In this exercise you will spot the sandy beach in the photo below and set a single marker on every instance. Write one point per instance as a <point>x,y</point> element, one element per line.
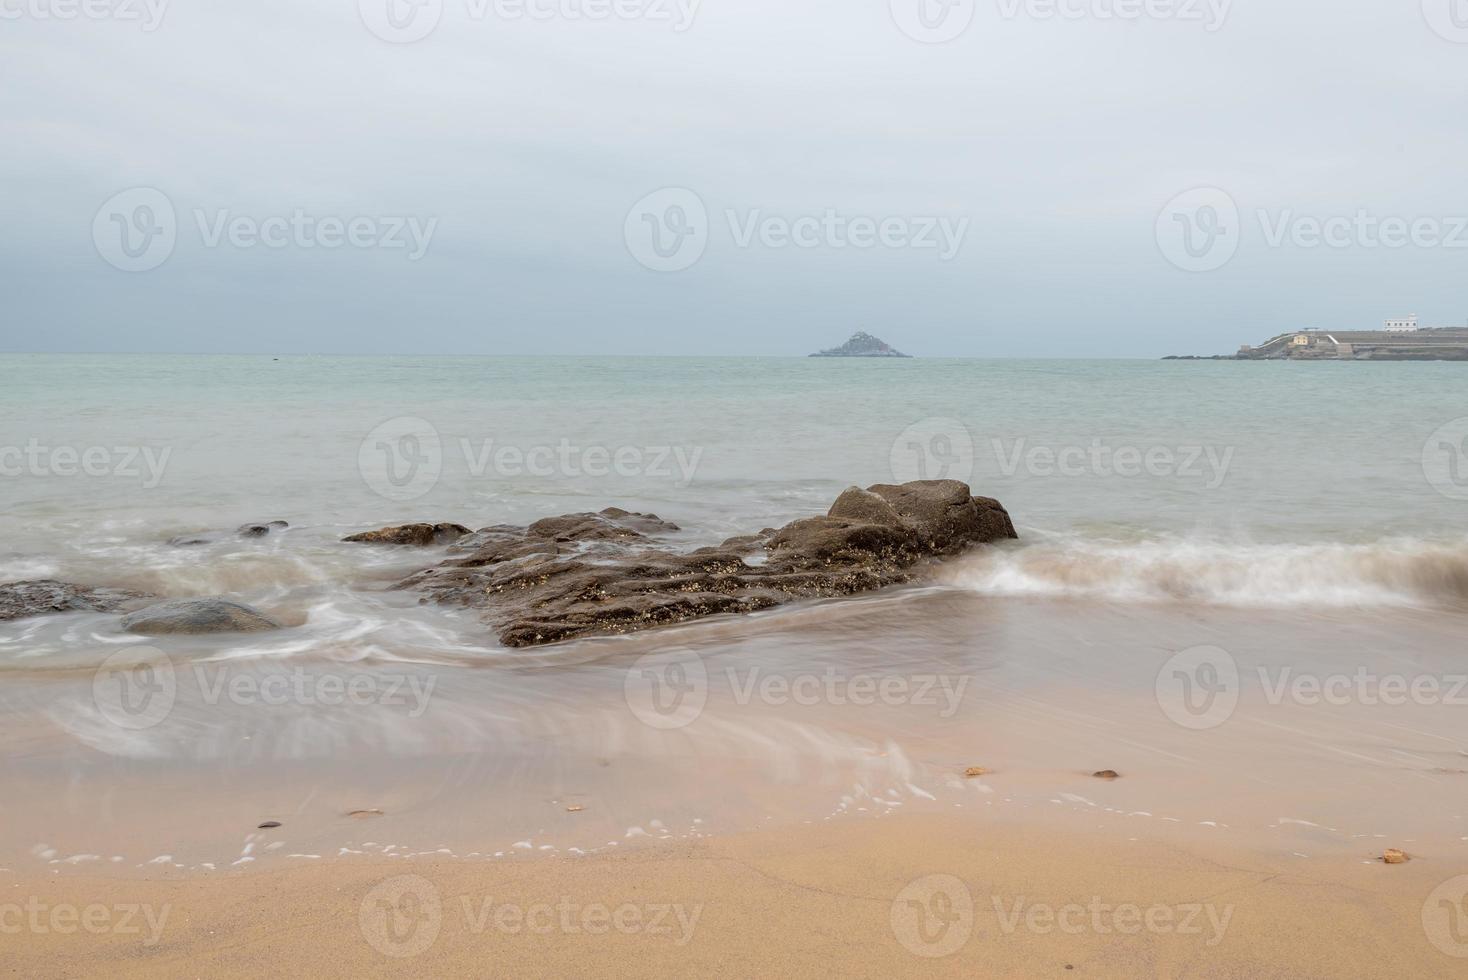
<point>943,895</point>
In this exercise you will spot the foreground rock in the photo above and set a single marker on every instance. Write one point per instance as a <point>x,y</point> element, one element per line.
<point>35,598</point>
<point>417,535</point>
<point>197,616</point>
<point>594,573</point>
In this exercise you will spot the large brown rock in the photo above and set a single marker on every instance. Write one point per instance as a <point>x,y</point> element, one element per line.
<point>584,574</point>
<point>34,598</point>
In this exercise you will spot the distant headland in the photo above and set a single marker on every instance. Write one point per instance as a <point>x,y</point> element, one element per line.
<point>862,344</point>
<point>1401,340</point>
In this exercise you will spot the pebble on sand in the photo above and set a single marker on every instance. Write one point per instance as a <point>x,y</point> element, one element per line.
<point>1394,856</point>
<point>1107,774</point>
<point>268,825</point>
<point>973,771</point>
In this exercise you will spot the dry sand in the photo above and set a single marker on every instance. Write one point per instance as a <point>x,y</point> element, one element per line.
<point>854,898</point>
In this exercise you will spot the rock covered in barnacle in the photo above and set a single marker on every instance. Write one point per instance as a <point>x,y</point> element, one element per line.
<point>416,535</point>
<point>34,598</point>
<point>583,574</point>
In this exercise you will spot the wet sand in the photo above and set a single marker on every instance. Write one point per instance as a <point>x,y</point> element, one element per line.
<point>945,895</point>
<point>791,825</point>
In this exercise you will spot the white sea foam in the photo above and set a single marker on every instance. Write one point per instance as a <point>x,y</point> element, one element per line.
<point>1394,572</point>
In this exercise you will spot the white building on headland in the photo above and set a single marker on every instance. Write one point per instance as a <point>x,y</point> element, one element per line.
<point>1409,325</point>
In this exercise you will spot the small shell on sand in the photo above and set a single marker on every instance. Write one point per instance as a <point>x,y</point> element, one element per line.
<point>575,808</point>
<point>1107,774</point>
<point>364,814</point>
<point>973,771</point>
<point>1394,856</point>
<point>268,825</point>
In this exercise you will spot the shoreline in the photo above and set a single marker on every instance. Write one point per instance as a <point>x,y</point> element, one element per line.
<point>950,894</point>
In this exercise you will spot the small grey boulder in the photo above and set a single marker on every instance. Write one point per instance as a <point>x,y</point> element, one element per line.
<point>197,616</point>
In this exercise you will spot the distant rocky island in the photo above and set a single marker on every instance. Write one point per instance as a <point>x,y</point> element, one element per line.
<point>863,344</point>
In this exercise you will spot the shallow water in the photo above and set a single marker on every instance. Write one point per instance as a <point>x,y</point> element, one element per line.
<point>1301,516</point>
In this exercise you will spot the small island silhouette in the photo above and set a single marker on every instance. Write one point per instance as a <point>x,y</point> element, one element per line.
<point>862,344</point>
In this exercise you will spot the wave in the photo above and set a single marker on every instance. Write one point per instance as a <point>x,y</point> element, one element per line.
<point>1393,572</point>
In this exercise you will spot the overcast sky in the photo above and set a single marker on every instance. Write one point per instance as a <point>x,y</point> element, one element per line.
<point>1027,187</point>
